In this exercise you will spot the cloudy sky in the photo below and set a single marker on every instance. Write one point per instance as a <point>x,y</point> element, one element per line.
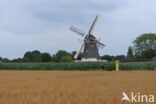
<point>27,25</point>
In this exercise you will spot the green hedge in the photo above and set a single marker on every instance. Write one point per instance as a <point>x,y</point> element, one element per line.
<point>78,66</point>
<point>138,66</point>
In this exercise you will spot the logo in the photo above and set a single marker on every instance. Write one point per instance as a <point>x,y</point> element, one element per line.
<point>140,98</point>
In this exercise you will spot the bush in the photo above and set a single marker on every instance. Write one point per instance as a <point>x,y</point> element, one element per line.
<point>60,54</point>
<point>66,59</point>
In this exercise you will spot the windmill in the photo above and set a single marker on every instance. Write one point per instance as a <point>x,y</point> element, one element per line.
<point>90,44</point>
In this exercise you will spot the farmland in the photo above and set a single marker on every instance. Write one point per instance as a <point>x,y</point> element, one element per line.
<point>73,87</point>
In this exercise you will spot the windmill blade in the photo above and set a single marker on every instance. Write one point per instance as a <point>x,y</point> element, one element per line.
<point>74,29</point>
<point>79,51</point>
<point>100,43</point>
<point>93,25</point>
<point>99,39</point>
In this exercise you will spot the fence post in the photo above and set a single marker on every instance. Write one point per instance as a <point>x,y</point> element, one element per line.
<point>117,65</point>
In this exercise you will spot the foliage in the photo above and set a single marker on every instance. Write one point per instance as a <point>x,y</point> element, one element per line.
<point>113,58</point>
<point>17,60</point>
<point>66,59</point>
<point>120,57</point>
<point>5,60</point>
<point>149,53</point>
<point>145,45</point>
<point>78,66</point>
<point>27,57</point>
<point>53,58</point>
<point>45,57</point>
<point>36,56</point>
<point>107,57</point>
<point>130,52</point>
<point>60,54</point>
<point>0,58</point>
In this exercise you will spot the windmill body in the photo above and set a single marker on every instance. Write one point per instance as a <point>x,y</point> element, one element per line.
<point>90,51</point>
<point>90,44</point>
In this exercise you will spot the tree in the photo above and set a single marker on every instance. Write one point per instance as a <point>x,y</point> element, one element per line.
<point>27,57</point>
<point>36,56</point>
<point>130,52</point>
<point>17,60</point>
<point>53,58</point>
<point>107,57</point>
<point>66,59</point>
<point>0,58</point>
<point>145,45</point>
<point>45,57</point>
<point>5,60</point>
<point>149,53</point>
<point>60,54</point>
<point>120,57</point>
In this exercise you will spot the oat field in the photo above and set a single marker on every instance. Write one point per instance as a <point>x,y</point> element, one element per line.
<point>73,87</point>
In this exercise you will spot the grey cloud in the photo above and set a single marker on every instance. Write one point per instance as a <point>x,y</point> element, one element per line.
<point>43,24</point>
<point>37,16</point>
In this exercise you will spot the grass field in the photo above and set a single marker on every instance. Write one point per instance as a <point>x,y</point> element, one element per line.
<point>73,87</point>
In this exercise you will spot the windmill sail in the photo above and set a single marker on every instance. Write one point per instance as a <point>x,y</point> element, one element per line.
<point>93,25</point>
<point>79,51</point>
<point>74,29</point>
<point>98,42</point>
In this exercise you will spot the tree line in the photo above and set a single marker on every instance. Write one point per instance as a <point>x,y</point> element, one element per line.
<point>144,46</point>
<point>37,56</point>
<point>60,56</point>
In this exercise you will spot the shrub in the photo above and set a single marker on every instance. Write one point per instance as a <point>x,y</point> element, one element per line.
<point>66,59</point>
